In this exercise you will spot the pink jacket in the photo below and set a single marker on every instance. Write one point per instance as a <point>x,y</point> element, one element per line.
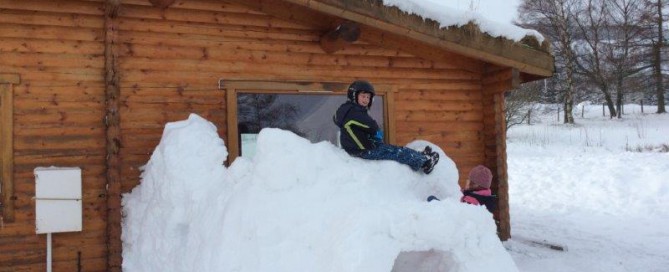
<point>471,200</point>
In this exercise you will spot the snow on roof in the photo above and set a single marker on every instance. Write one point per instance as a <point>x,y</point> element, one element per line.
<point>447,16</point>
<point>298,206</point>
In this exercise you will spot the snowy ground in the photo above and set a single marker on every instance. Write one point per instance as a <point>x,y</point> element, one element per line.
<point>598,188</point>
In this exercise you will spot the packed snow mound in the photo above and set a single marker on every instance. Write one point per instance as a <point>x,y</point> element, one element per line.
<point>298,206</point>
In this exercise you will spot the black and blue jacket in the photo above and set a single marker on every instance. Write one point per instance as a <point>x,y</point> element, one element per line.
<point>356,126</point>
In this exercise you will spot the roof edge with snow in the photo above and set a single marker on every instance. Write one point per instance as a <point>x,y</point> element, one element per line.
<point>529,55</point>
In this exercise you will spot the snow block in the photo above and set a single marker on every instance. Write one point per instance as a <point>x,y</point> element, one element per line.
<point>298,206</point>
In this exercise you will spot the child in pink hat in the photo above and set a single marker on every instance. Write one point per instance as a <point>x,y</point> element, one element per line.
<point>477,189</point>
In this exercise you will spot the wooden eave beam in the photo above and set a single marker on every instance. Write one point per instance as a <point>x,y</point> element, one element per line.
<point>501,80</point>
<point>493,50</point>
<point>525,77</point>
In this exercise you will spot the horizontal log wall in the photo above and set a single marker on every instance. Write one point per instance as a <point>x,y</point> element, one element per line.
<point>56,48</point>
<point>172,59</point>
<point>170,62</point>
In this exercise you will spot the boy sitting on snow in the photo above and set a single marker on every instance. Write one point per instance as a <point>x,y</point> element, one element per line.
<point>361,137</point>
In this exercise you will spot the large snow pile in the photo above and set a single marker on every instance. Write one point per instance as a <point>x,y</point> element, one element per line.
<point>298,206</point>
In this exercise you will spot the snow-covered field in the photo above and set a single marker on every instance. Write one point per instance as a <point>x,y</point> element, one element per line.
<point>598,188</point>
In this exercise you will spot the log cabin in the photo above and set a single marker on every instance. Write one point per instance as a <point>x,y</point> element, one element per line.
<point>91,84</point>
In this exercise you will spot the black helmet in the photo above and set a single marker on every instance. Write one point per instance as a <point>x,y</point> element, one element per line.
<point>359,86</point>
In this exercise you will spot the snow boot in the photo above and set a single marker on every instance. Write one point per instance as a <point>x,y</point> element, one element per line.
<point>427,151</point>
<point>433,159</point>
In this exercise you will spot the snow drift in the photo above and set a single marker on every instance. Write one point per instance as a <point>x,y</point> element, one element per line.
<point>298,206</point>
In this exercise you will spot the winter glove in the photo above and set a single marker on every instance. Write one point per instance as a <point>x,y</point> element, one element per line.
<point>379,136</point>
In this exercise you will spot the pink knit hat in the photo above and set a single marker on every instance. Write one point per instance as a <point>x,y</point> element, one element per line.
<point>481,176</point>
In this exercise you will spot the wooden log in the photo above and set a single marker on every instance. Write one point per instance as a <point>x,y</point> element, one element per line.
<point>65,142</point>
<point>40,61</point>
<point>262,62</point>
<point>134,100</point>
<point>215,33</point>
<point>171,95</point>
<point>438,116</point>
<point>50,76</point>
<point>55,118</point>
<point>431,85</point>
<point>462,92</point>
<point>427,127</point>
<point>163,4</point>
<point>55,105</point>
<point>129,40</point>
<point>50,32</point>
<point>185,71</point>
<point>78,7</point>
<point>50,19</point>
<point>203,18</point>
<point>439,105</point>
<point>288,12</point>
<point>58,98</point>
<point>196,5</point>
<point>29,44</point>
<point>453,140</point>
<point>234,53</point>
<point>93,131</point>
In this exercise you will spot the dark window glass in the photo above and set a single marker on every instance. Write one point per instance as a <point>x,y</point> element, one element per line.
<point>307,115</point>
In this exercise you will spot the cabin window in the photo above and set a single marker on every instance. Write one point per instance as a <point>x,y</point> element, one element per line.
<point>307,115</point>
<point>306,109</point>
<point>6,145</point>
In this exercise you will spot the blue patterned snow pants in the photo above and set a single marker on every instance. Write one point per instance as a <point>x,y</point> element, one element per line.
<point>403,155</point>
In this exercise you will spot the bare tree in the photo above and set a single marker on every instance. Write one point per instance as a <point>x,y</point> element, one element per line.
<point>521,102</point>
<point>658,44</point>
<point>590,58</point>
<point>257,111</point>
<point>555,18</point>
<point>609,47</point>
<point>625,52</point>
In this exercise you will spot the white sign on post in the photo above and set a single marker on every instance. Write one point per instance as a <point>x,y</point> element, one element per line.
<point>58,199</point>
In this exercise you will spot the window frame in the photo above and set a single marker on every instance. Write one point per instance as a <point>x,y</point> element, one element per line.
<point>234,87</point>
<point>7,82</point>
